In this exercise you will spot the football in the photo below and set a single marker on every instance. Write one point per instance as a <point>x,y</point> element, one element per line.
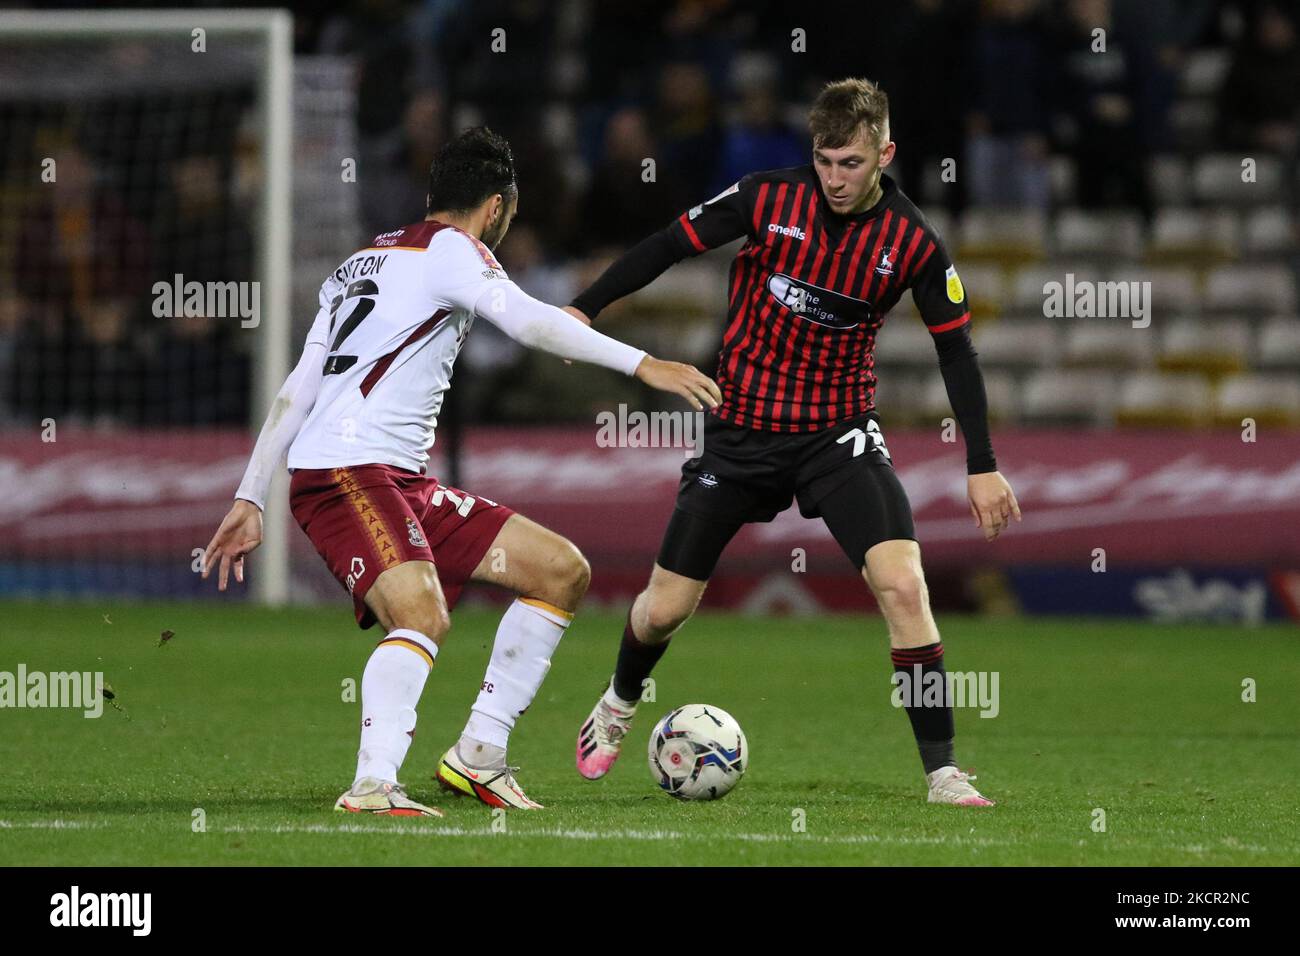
<point>698,752</point>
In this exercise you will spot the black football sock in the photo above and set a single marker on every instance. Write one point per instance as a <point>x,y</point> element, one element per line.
<point>927,702</point>
<point>635,662</point>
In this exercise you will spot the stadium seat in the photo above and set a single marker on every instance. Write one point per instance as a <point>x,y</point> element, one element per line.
<point>688,290</point>
<point>1218,178</point>
<point>1098,235</point>
<point>1068,397</point>
<point>1026,296</point>
<point>1192,122</point>
<point>1279,344</point>
<point>1004,235</point>
<point>1017,343</point>
<point>1170,179</point>
<point>986,287</point>
<point>1250,288</point>
<point>900,396</point>
<point>906,343</point>
<point>1204,71</point>
<point>1268,399</point>
<point>1156,399</point>
<point>998,386</point>
<point>1112,343</point>
<point>1064,176</point>
<point>1194,236</point>
<point>1174,290</point>
<point>1270,232</point>
<point>1211,348</point>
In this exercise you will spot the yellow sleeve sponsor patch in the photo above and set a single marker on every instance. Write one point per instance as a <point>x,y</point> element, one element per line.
<point>955,291</point>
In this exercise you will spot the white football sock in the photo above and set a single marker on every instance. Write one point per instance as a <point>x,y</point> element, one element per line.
<point>521,655</point>
<point>390,688</point>
<point>618,703</point>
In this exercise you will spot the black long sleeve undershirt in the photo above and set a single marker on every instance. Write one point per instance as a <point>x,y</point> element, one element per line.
<point>965,385</point>
<point>635,269</point>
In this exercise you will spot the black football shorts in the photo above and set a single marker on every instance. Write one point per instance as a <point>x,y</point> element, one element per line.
<point>841,474</point>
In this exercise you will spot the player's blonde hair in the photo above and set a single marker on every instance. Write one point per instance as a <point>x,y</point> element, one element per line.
<point>845,106</point>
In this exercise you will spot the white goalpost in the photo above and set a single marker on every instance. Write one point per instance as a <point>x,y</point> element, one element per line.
<point>262,41</point>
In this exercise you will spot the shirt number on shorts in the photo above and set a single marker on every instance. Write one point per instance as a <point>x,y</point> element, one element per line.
<point>860,437</point>
<point>462,504</point>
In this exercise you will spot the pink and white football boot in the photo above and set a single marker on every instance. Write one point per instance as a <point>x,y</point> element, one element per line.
<point>950,785</point>
<point>601,737</point>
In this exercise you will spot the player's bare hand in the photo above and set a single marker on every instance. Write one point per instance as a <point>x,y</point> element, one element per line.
<point>680,379</point>
<point>581,317</point>
<point>992,502</point>
<point>240,533</point>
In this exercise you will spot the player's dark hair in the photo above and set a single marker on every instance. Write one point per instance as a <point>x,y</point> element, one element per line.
<point>844,107</point>
<point>470,168</point>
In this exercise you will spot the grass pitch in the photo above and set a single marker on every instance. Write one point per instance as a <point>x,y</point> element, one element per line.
<point>241,715</point>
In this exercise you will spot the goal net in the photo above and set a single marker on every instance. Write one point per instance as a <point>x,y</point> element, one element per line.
<point>144,290</point>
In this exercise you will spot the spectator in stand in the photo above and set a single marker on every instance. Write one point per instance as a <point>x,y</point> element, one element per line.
<point>689,130</point>
<point>1100,96</point>
<point>194,366</point>
<point>759,139</point>
<point>395,184</point>
<point>621,206</point>
<point>1012,74</point>
<point>1169,28</point>
<point>927,105</point>
<point>1259,107</point>
<point>197,376</point>
<point>84,264</point>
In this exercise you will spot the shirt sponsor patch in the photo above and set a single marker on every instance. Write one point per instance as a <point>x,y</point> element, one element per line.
<point>955,291</point>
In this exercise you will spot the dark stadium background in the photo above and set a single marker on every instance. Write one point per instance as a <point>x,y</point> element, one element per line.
<point>1125,164</point>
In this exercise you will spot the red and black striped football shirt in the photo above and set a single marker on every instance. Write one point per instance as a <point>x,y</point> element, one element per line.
<point>808,292</point>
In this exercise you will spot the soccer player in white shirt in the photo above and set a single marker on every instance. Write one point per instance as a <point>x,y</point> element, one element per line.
<point>356,418</point>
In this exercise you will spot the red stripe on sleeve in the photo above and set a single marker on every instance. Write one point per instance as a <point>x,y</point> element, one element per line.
<point>954,324</point>
<point>690,233</point>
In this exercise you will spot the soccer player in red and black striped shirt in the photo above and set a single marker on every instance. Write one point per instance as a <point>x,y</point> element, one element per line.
<point>831,247</point>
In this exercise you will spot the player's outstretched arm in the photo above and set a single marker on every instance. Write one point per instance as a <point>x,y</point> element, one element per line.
<point>241,530</point>
<point>541,326</point>
<point>711,224</point>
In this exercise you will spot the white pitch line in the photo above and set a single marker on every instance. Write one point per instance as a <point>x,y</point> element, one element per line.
<point>556,833</point>
<point>51,825</point>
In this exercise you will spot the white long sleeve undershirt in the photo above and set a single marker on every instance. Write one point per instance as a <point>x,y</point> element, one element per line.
<point>288,412</point>
<point>538,325</point>
<point>526,320</point>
